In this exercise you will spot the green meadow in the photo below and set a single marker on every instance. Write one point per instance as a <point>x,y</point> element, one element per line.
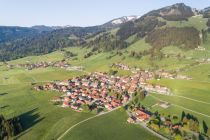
<point>191,96</point>
<point>112,126</point>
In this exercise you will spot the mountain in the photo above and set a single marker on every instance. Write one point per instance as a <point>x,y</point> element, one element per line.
<point>46,42</point>
<point>206,12</point>
<point>207,9</point>
<point>176,12</point>
<point>43,28</point>
<point>118,21</point>
<point>152,27</point>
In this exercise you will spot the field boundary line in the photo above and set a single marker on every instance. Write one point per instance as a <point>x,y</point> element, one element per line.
<point>191,99</point>
<point>196,112</point>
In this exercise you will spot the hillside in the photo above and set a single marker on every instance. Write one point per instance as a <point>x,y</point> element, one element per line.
<point>188,37</point>
<point>39,40</point>
<point>45,42</point>
<point>114,35</point>
<point>176,12</point>
<point>8,34</point>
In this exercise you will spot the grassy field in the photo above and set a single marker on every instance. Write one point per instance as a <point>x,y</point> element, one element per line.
<point>41,119</point>
<point>112,126</point>
<point>18,76</point>
<point>189,96</point>
<point>197,22</point>
<point>55,56</point>
<point>199,72</point>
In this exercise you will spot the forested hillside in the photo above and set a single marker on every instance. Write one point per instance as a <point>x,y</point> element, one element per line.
<point>188,37</point>
<point>13,33</point>
<point>140,27</point>
<point>45,42</point>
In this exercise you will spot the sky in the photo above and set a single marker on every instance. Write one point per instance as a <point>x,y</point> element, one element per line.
<point>79,12</point>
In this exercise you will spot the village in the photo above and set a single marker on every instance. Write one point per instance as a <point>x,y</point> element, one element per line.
<point>157,74</point>
<point>100,91</point>
<point>43,64</point>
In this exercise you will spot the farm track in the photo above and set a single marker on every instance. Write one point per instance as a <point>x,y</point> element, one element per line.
<point>68,130</point>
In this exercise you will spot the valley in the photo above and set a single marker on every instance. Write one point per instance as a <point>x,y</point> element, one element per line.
<point>133,77</point>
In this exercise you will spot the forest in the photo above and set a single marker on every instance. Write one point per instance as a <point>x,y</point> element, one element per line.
<point>185,37</point>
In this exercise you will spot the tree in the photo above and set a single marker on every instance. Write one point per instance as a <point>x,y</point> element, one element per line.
<point>142,94</point>
<point>205,127</point>
<point>69,54</point>
<point>113,72</point>
<point>204,35</point>
<point>208,22</point>
<point>183,115</point>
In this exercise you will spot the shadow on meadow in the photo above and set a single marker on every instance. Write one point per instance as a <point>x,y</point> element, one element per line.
<point>29,119</point>
<point>3,107</point>
<point>2,94</point>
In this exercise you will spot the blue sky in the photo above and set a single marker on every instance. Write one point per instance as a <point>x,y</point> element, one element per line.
<point>79,12</point>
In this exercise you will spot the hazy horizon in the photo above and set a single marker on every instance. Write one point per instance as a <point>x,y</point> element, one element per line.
<point>27,13</point>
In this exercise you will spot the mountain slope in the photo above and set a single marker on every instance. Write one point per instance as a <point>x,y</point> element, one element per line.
<point>206,12</point>
<point>46,39</point>
<point>43,28</point>
<point>176,12</point>
<point>45,42</point>
<point>12,33</point>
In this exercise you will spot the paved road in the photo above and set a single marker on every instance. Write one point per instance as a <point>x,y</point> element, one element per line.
<point>150,130</point>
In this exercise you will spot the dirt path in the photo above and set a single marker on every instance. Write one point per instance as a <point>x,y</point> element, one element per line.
<point>68,130</point>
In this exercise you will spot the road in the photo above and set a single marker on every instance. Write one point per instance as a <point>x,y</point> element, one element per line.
<point>150,130</point>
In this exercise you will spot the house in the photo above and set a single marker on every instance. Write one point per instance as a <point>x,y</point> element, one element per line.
<point>38,88</point>
<point>131,120</point>
<point>142,116</point>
